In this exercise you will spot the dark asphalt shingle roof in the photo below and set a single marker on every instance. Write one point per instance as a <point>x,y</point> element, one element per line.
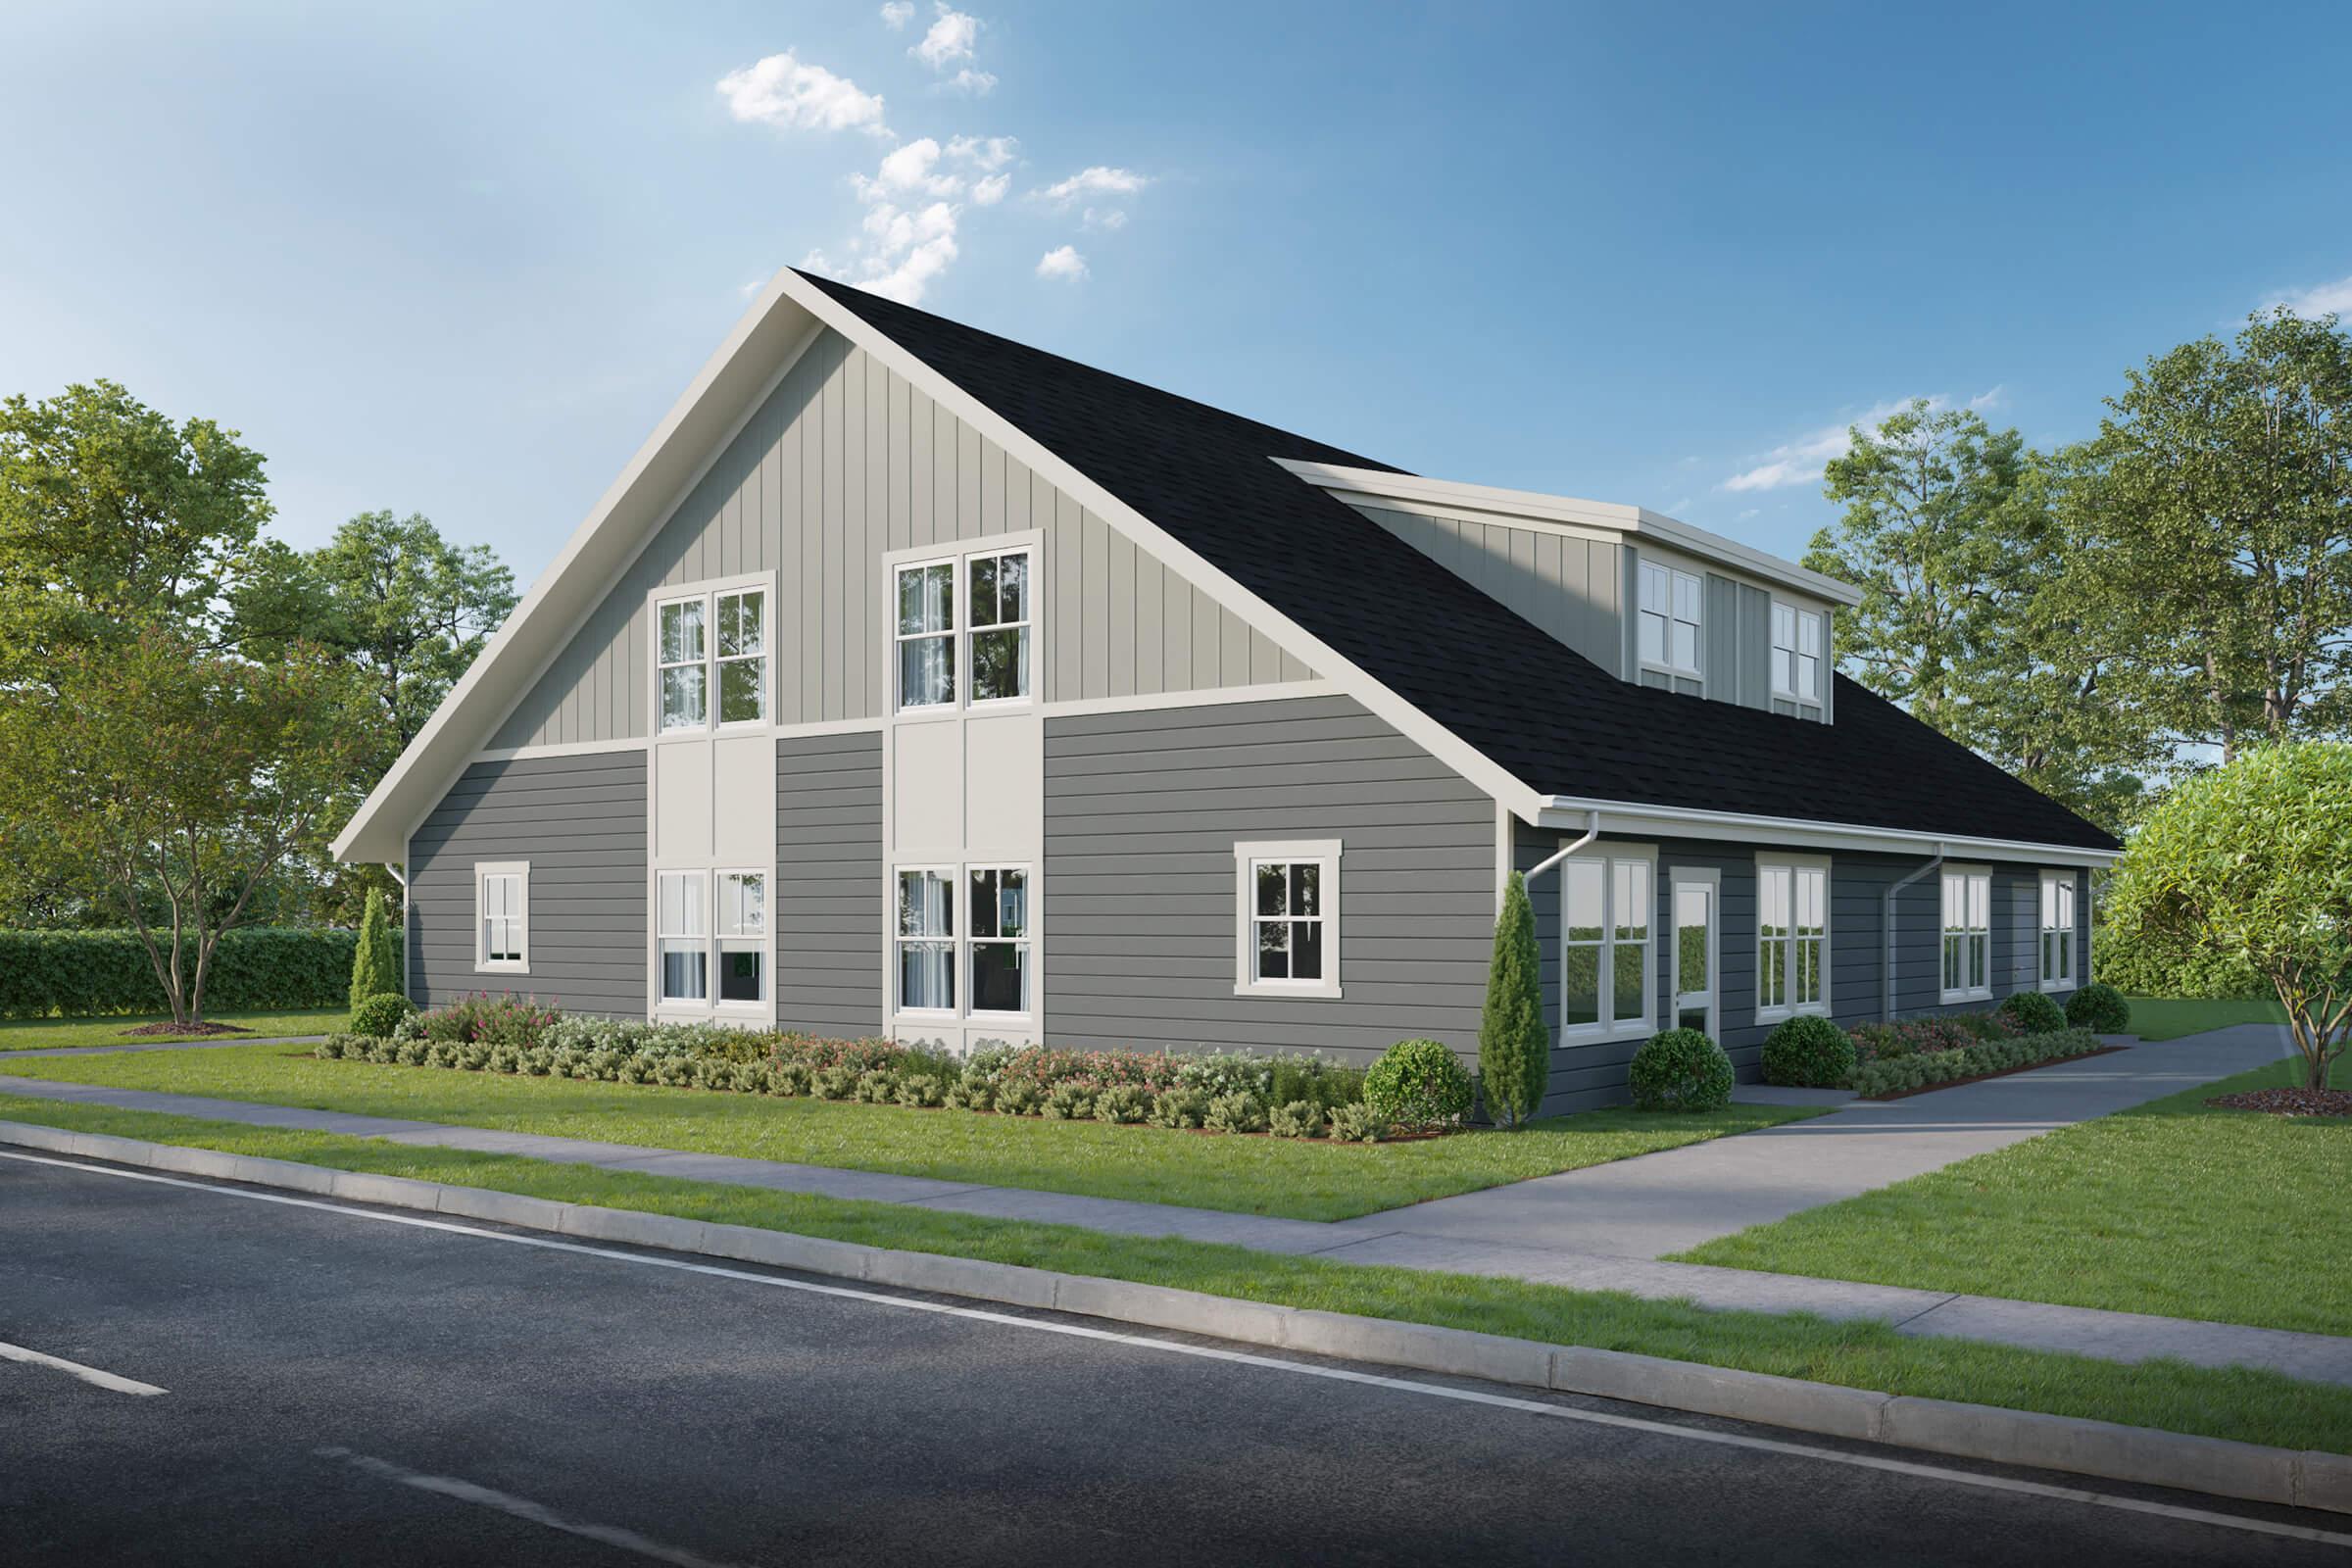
<point>1553,719</point>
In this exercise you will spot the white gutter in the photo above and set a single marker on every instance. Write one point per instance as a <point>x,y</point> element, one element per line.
<point>1814,829</point>
<point>1886,924</point>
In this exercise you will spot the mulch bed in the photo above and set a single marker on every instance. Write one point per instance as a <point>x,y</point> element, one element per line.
<point>201,1030</point>
<point>2005,1072</point>
<point>2289,1101</point>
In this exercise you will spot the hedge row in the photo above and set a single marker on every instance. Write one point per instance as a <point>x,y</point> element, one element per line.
<point>1894,1075</point>
<point>256,969</point>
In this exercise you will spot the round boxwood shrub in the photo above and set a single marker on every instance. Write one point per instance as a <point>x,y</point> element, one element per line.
<point>1680,1069</point>
<point>1808,1052</point>
<point>1419,1083</point>
<point>2032,1013</point>
<point>378,1015</point>
<point>2101,1009</point>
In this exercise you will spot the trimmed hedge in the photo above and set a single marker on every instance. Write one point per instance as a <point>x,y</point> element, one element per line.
<point>255,969</point>
<point>1894,1075</point>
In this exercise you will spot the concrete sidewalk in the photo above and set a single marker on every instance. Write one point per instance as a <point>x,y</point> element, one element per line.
<point>1407,1239</point>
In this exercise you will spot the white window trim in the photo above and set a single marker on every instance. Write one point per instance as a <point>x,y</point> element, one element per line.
<point>765,938</point>
<point>1607,1027</point>
<point>1248,856</point>
<point>708,1001</point>
<point>709,592</point>
<point>1710,878</point>
<point>1966,992</point>
<point>2042,930</point>
<point>1667,666</point>
<point>1797,645</point>
<point>898,941</point>
<point>959,633</point>
<point>1026,941</point>
<point>1803,862</point>
<point>520,870</point>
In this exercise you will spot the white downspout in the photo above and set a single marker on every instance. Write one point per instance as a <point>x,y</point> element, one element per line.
<point>1592,832</point>
<point>1886,924</point>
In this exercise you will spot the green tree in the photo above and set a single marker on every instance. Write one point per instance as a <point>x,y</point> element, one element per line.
<point>1514,1045</point>
<point>2210,522</point>
<point>2251,864</point>
<point>180,777</point>
<point>1950,533</point>
<point>374,970</point>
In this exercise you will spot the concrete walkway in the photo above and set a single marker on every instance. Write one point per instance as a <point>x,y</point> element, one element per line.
<point>1407,1238</point>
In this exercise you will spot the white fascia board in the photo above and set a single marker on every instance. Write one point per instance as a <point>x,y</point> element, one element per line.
<point>719,400</point>
<point>1529,506</point>
<point>1632,816</point>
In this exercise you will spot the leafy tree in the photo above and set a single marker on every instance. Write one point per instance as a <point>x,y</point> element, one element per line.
<point>2252,863</point>
<point>1514,1045</point>
<point>181,777</point>
<point>2211,520</point>
<point>374,967</point>
<point>1949,532</point>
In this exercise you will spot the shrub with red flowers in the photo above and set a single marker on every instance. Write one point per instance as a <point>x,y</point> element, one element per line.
<point>488,1020</point>
<point>1925,1037</point>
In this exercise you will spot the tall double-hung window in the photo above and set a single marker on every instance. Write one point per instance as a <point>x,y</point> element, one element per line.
<point>1967,935</point>
<point>502,909</point>
<point>965,630</point>
<point>971,959</point>
<point>710,938</point>
<point>1796,649</point>
<point>1607,908</point>
<point>1793,938</point>
<point>2057,930</point>
<point>710,658</point>
<point>1670,617</point>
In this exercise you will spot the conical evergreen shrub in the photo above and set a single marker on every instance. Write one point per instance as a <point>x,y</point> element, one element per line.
<point>1514,1047</point>
<point>374,968</point>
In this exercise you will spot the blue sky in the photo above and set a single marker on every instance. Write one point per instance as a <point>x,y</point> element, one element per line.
<point>459,260</point>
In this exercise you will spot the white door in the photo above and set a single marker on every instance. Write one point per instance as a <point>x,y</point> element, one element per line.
<point>1694,901</point>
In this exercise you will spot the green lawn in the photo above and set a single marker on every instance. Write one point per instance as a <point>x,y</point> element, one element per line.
<point>2250,1405</point>
<point>2173,1207</point>
<point>1297,1180</point>
<point>2155,1018</point>
<point>34,1034</point>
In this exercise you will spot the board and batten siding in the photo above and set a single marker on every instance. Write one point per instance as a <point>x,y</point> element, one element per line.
<point>828,906</point>
<point>1139,919</point>
<point>579,821</point>
<point>844,462</point>
<point>1568,586</point>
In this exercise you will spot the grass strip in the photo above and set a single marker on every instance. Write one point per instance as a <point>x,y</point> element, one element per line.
<point>2169,1018</point>
<point>43,1034</point>
<point>2174,1208</point>
<point>2242,1403</point>
<point>1293,1178</point>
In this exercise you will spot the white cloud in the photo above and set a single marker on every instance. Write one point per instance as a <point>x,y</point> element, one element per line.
<point>751,290</point>
<point>785,91</point>
<point>2320,298</point>
<point>1802,461</point>
<point>991,153</point>
<point>1104,218</point>
<point>969,83</point>
<point>990,191</point>
<point>1063,263</point>
<point>910,168</point>
<point>890,230</point>
<point>1094,181</point>
<point>1743,515</point>
<point>914,272</point>
<point>1988,401</point>
<point>949,40</point>
<point>897,14</point>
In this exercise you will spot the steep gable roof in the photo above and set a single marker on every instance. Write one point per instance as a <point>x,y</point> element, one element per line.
<point>1552,718</point>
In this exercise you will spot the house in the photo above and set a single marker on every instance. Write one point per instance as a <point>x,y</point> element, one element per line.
<point>911,680</point>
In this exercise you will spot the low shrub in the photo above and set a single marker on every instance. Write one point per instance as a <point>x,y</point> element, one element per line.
<point>1358,1124</point>
<point>2101,1009</point>
<point>1314,1080</point>
<point>877,1086</point>
<point>381,1014</point>
<point>1808,1052</point>
<point>332,1047</point>
<point>788,1079</point>
<point>920,1090</point>
<point>1902,1075</point>
<point>2032,1013</point>
<point>1069,1100</point>
<point>1235,1112</point>
<point>1680,1069</point>
<point>413,1052</point>
<point>1122,1104</point>
<point>1420,1083</point>
<point>835,1083</point>
<point>1018,1097</point>
<point>970,1092</point>
<point>1300,1119</point>
<point>1178,1109</point>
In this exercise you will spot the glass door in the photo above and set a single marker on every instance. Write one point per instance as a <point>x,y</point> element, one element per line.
<point>1695,901</point>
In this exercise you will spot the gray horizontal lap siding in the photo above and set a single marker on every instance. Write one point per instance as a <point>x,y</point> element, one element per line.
<point>1143,811</point>
<point>580,823</point>
<point>828,905</point>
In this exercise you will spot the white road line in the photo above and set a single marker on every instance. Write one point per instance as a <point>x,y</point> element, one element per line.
<point>519,1507</point>
<point>87,1374</point>
<point>1436,1391</point>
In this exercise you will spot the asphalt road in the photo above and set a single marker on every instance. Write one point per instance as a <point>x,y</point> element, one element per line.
<point>341,1390</point>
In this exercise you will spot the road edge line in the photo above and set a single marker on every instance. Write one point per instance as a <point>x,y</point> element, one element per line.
<point>2074,1444</point>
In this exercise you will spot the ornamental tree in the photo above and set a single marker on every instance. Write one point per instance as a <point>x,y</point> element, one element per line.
<point>1514,1047</point>
<point>2252,862</point>
<point>374,967</point>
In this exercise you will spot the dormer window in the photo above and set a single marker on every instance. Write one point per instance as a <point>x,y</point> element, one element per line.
<point>1795,653</point>
<point>1670,620</point>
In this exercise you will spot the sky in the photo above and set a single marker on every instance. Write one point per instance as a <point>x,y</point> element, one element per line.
<point>460,260</point>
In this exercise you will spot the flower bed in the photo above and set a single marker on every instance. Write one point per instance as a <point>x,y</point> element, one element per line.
<point>1228,1091</point>
<point>1882,1076</point>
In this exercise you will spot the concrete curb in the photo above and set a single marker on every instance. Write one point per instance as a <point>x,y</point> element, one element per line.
<point>2308,1479</point>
